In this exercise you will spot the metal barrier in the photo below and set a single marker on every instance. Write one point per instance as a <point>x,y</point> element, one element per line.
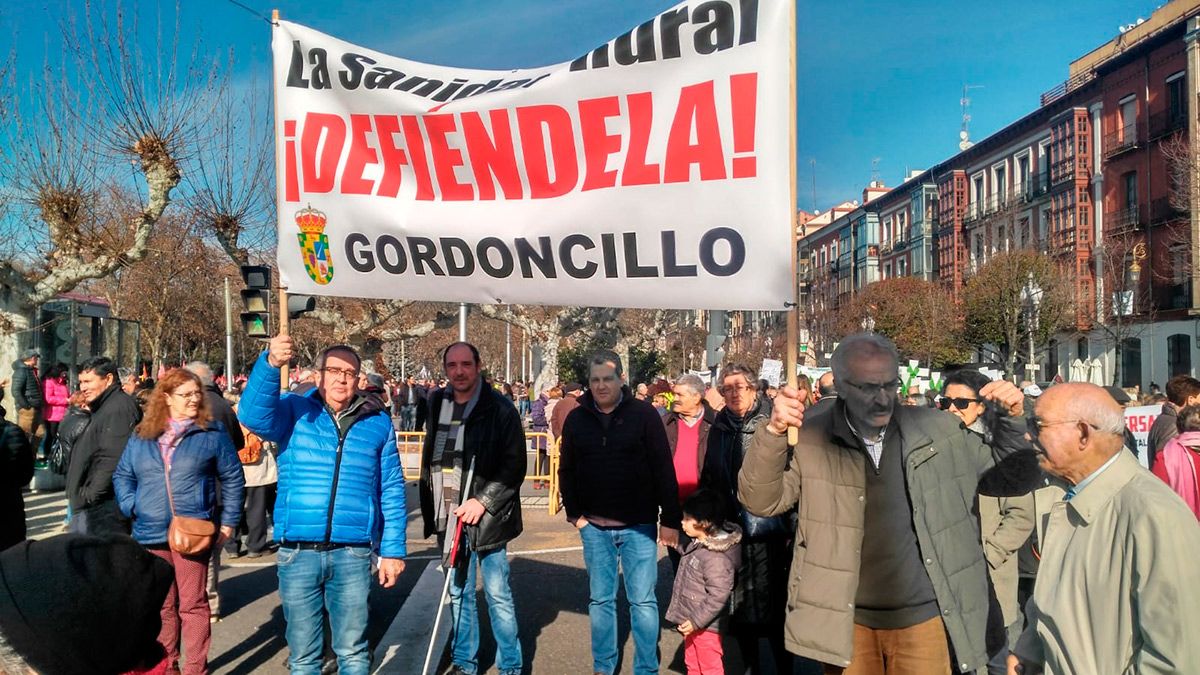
<point>410,443</point>
<point>555,498</point>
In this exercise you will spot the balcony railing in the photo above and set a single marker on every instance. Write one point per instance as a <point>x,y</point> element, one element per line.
<point>1062,241</point>
<point>1124,221</point>
<point>1067,87</point>
<point>1162,210</point>
<point>974,212</point>
<point>1167,121</point>
<point>1120,141</point>
<point>1037,187</point>
<point>1062,171</point>
<point>895,244</point>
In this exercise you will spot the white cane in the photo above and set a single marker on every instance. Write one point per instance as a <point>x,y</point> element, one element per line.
<point>449,573</point>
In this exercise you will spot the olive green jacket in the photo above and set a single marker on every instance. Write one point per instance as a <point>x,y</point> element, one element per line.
<point>944,466</point>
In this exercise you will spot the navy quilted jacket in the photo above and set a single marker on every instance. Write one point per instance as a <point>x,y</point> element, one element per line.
<point>202,457</point>
<point>343,490</point>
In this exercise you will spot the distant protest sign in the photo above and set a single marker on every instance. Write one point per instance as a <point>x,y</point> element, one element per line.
<point>1138,420</point>
<point>650,172</point>
<point>771,371</point>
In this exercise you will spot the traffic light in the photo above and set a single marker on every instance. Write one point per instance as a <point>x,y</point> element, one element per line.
<point>256,297</point>
<point>299,304</point>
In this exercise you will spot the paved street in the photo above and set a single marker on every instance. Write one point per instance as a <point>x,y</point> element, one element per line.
<point>548,577</point>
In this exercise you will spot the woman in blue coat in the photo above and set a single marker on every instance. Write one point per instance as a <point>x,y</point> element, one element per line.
<point>179,444</point>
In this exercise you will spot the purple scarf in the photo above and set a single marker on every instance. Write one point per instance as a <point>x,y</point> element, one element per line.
<point>169,439</point>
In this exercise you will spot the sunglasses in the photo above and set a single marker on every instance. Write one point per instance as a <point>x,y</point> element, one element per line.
<point>960,403</point>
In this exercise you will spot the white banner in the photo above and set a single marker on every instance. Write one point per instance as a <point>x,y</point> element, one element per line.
<point>1139,419</point>
<point>651,172</point>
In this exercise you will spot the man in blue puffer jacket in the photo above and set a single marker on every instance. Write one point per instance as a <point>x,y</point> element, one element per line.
<point>340,498</point>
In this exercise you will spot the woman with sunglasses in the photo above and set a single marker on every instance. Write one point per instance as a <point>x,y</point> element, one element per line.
<point>170,467</point>
<point>1005,522</point>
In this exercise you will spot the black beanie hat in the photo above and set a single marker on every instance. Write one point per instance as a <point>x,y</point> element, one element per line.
<point>83,604</point>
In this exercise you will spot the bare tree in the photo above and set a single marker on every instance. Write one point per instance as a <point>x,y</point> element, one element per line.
<point>548,326</point>
<point>233,185</point>
<point>97,150</point>
<point>1016,299</point>
<point>1127,304</point>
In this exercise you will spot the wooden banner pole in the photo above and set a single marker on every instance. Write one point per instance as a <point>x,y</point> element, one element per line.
<point>283,303</point>
<point>793,315</point>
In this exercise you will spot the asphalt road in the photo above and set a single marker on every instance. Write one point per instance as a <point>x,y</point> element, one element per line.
<point>549,585</point>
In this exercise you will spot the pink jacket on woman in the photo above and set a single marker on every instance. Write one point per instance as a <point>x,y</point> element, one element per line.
<point>1176,465</point>
<point>56,396</point>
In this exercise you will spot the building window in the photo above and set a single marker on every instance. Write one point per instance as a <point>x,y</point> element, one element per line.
<point>977,196</point>
<point>1128,120</point>
<point>1081,349</point>
<point>1176,99</point>
<point>1131,190</point>
<point>1022,183</point>
<point>1131,362</point>
<point>1000,184</point>
<point>902,267</point>
<point>1179,354</point>
<point>887,271</point>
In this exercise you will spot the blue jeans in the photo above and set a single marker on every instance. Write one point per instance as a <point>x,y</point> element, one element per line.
<point>338,582</point>
<point>635,549</point>
<point>496,589</point>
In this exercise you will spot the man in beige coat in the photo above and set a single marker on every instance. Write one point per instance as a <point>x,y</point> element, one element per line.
<point>887,561</point>
<point>1117,587</point>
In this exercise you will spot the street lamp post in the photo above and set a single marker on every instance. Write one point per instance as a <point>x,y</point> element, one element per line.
<point>1031,297</point>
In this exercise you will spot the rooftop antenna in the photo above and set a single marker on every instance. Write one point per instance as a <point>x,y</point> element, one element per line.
<point>812,163</point>
<point>964,134</point>
<point>874,171</point>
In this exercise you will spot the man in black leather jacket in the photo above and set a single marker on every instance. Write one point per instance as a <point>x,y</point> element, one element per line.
<point>474,426</point>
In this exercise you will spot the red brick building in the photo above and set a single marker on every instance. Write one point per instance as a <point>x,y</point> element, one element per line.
<point>1085,178</point>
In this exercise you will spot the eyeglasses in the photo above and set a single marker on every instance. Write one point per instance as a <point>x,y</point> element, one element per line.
<point>960,403</point>
<point>196,395</point>
<point>734,389</point>
<point>873,390</point>
<point>340,373</point>
<point>1036,425</point>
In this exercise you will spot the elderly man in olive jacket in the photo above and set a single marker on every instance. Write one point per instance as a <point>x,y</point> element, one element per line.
<point>887,560</point>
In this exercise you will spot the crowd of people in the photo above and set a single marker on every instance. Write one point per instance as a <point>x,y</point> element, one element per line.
<point>985,527</point>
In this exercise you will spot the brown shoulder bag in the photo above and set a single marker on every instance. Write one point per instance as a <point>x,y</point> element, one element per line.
<point>185,535</point>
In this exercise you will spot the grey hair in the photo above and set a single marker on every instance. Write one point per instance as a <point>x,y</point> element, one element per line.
<point>1104,417</point>
<point>689,381</point>
<point>861,345</point>
<point>606,357</point>
<point>124,374</point>
<point>743,370</point>
<point>201,370</point>
<point>347,349</point>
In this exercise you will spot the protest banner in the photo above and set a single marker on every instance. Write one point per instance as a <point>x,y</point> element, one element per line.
<point>1139,419</point>
<point>653,171</point>
<point>771,371</point>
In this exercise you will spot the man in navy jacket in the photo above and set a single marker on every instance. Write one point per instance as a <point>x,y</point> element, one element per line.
<point>340,499</point>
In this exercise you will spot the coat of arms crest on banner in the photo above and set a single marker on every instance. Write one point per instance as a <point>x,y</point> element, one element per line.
<point>314,245</point>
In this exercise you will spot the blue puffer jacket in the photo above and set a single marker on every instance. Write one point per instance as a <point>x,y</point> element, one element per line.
<point>345,491</point>
<point>202,457</point>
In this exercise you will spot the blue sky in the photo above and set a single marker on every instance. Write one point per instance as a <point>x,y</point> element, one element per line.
<point>876,79</point>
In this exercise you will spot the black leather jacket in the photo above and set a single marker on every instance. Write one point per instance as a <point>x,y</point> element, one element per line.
<point>496,441</point>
